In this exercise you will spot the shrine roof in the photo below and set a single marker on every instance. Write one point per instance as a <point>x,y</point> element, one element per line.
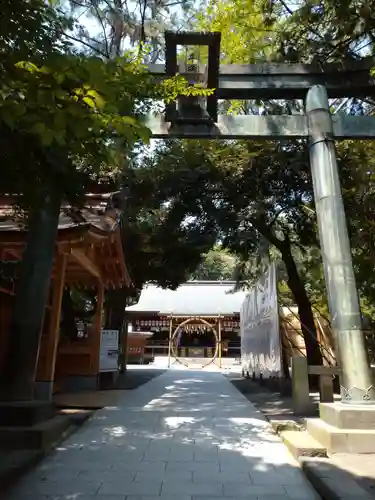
<point>90,238</point>
<point>92,216</point>
<point>194,298</point>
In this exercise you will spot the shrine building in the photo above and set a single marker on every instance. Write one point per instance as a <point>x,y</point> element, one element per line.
<point>200,319</point>
<point>88,255</point>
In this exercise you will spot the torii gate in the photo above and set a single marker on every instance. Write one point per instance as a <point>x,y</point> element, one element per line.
<point>189,118</point>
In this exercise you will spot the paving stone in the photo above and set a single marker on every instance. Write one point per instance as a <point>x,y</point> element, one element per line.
<point>126,488</point>
<point>58,488</point>
<point>206,456</point>
<point>273,497</point>
<point>221,477</point>
<point>175,487</point>
<point>153,467</point>
<point>276,478</point>
<point>160,445</point>
<point>110,475</point>
<point>182,475</point>
<point>244,490</point>
<point>60,474</point>
<point>298,493</point>
<point>28,496</point>
<point>164,497</point>
<point>92,497</point>
<point>168,457</point>
<point>208,497</point>
<point>184,436</point>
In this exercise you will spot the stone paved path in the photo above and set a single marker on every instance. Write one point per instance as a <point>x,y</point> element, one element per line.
<point>183,436</point>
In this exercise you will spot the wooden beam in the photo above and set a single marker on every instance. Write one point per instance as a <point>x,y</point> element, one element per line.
<point>14,253</point>
<point>102,258</point>
<point>45,380</point>
<point>265,127</point>
<point>220,348</point>
<point>288,81</point>
<point>97,332</point>
<point>122,261</point>
<point>86,263</point>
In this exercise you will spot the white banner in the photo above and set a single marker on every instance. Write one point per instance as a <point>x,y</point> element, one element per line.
<point>259,326</point>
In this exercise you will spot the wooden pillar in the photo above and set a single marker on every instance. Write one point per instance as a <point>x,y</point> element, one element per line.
<point>220,342</point>
<point>170,341</point>
<point>124,336</point>
<point>300,386</point>
<point>97,331</point>
<point>44,383</point>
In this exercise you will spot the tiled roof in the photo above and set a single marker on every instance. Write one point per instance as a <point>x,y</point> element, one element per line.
<point>194,298</point>
<point>92,215</point>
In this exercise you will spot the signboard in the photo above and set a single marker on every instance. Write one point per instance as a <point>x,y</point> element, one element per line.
<point>109,351</point>
<point>260,334</point>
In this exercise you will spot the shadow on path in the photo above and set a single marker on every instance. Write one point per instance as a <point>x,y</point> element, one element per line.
<point>183,436</point>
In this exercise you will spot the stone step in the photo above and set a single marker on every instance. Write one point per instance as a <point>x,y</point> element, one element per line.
<point>332,482</point>
<point>337,440</point>
<point>13,464</point>
<point>25,413</point>
<point>346,417</point>
<point>301,444</point>
<point>281,424</point>
<point>35,437</point>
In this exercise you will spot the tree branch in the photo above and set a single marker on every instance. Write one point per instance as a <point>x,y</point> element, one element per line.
<point>86,44</point>
<point>103,28</point>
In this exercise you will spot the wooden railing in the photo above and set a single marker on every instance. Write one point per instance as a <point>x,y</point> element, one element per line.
<point>300,383</point>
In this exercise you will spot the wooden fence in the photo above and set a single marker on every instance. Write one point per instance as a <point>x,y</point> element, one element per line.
<point>300,383</point>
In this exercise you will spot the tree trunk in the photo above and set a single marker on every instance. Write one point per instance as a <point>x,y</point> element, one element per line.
<point>30,300</point>
<point>296,285</point>
<point>116,301</point>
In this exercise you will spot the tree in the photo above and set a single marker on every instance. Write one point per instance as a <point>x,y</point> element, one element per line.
<point>118,24</point>
<point>323,31</point>
<point>218,265</point>
<point>161,245</point>
<point>332,31</point>
<point>62,114</point>
<point>319,32</point>
<point>165,238</point>
<point>262,189</point>
<point>357,180</point>
<point>264,194</point>
<point>245,36</point>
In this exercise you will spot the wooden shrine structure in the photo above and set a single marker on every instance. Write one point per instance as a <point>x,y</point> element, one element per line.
<point>88,254</point>
<point>200,320</point>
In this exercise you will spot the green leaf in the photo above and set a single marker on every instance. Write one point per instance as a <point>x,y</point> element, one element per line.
<point>27,65</point>
<point>47,137</point>
<point>8,117</point>
<point>99,101</point>
<point>38,128</point>
<point>60,78</point>
<point>89,101</point>
<point>129,120</point>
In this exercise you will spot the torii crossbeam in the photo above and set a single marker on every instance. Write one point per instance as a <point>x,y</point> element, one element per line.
<point>259,81</point>
<point>266,127</point>
<point>198,118</point>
